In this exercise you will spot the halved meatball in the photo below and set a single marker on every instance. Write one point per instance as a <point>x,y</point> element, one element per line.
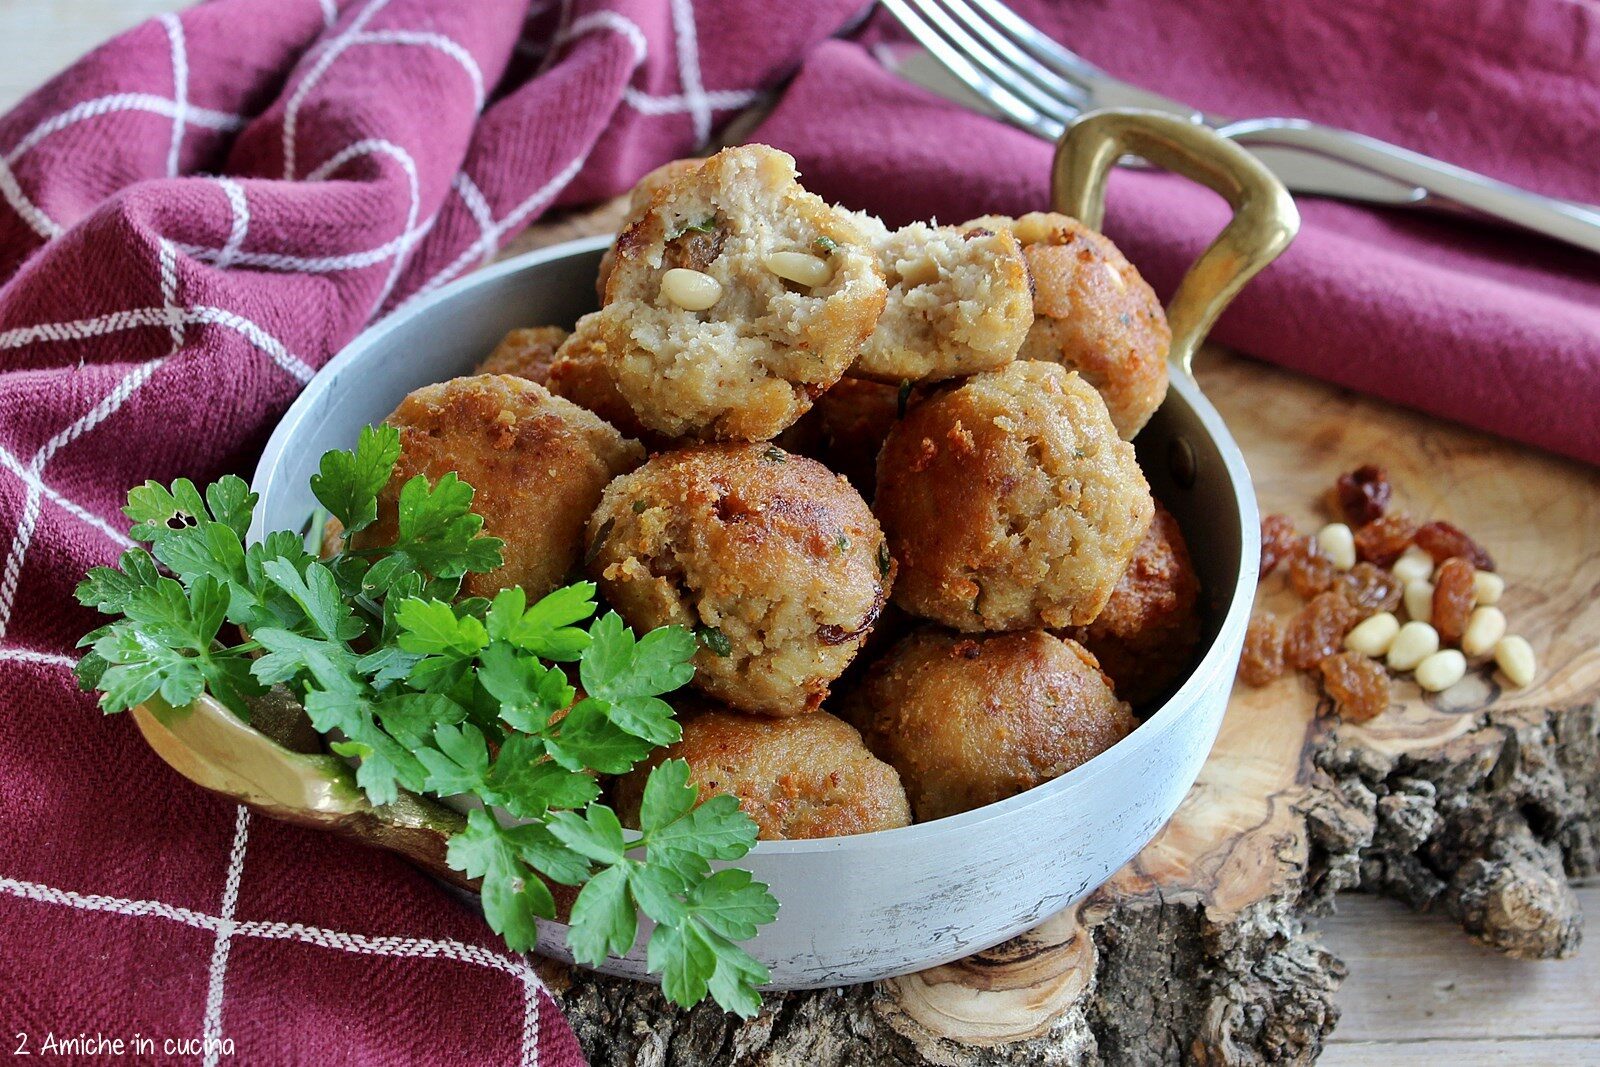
<point>1010,502</point>
<point>1145,638</point>
<point>775,561</point>
<point>538,464</point>
<point>527,353</point>
<point>708,332</point>
<point>801,777</point>
<point>639,200</point>
<point>959,303</point>
<point>1093,313</point>
<point>969,721</point>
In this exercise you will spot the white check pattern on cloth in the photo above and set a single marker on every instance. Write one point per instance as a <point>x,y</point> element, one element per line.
<point>233,232</point>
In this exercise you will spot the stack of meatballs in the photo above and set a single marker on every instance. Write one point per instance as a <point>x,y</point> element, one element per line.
<point>705,445</point>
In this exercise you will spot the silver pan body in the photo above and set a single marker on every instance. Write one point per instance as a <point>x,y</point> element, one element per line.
<point>855,909</point>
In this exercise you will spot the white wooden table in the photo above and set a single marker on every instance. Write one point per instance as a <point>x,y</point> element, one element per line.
<point>1418,993</point>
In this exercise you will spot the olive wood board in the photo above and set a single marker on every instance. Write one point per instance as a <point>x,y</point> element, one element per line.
<point>1478,803</point>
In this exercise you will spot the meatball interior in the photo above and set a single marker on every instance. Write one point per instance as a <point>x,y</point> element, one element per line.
<point>748,365</point>
<point>959,302</point>
<point>1093,313</point>
<point>1010,502</point>
<point>773,559</point>
<point>802,777</point>
<point>639,198</point>
<point>581,372</point>
<point>538,464</point>
<point>969,721</point>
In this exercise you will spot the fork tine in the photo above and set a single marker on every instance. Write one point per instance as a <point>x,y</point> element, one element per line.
<point>978,51</point>
<point>1076,93</point>
<point>1046,49</point>
<point>958,62</point>
<point>1099,88</point>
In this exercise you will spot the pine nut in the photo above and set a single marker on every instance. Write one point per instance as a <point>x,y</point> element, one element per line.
<point>1116,279</point>
<point>1487,587</point>
<point>1373,636</point>
<point>1441,670</point>
<point>1413,565</point>
<point>1514,656</point>
<point>1484,630</point>
<point>1415,642</point>
<point>1338,544</point>
<point>690,289</point>
<point>915,272</point>
<point>800,268</point>
<point>1419,599</point>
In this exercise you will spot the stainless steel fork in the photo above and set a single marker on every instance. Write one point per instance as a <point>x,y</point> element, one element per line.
<point>1039,85</point>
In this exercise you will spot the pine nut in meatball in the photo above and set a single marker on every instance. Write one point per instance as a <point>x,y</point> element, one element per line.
<point>773,560</point>
<point>971,720</point>
<point>1010,502</point>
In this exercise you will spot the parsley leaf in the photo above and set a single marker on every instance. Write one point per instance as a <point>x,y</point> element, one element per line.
<point>348,483</point>
<point>429,692</point>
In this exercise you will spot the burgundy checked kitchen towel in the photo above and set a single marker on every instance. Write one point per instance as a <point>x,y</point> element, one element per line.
<point>197,215</point>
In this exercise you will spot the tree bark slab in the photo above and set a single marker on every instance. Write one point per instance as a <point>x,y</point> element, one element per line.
<point>1479,803</point>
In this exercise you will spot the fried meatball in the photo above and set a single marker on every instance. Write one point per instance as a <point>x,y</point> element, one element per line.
<point>638,200</point>
<point>958,303</point>
<point>1010,502</point>
<point>1093,313</point>
<point>969,721</point>
<point>800,777</point>
<point>775,561</point>
<point>750,363</point>
<point>847,427</point>
<point>1145,638</point>
<point>538,464</point>
<point>581,373</point>
<point>527,353</point>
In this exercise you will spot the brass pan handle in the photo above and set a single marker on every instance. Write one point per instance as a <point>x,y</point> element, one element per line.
<point>1264,219</point>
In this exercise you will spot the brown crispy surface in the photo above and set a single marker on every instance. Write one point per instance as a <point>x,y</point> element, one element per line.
<point>801,777</point>
<point>968,721</point>
<point>538,463</point>
<point>1010,502</point>
<point>1093,313</point>
<point>776,552</point>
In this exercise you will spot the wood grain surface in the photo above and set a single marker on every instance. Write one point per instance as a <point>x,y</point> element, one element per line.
<point>1418,991</point>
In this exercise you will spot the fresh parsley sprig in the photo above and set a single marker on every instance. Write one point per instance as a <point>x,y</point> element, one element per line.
<point>447,696</point>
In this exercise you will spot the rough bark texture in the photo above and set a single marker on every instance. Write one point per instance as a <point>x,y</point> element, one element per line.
<point>1487,827</point>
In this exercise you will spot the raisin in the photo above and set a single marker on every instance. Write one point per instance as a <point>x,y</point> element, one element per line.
<point>695,248</point>
<point>1382,540</point>
<point>1441,541</point>
<point>1310,572</point>
<point>1262,661</point>
<point>1363,495</point>
<point>1277,541</point>
<point>1452,598</point>
<point>1370,588</point>
<point>1318,630</point>
<point>1358,685</point>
